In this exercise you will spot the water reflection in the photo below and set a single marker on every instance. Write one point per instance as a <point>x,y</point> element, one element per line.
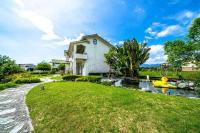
<point>145,85</point>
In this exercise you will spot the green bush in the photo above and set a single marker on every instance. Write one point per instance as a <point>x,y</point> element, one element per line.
<point>107,83</point>
<point>6,80</point>
<point>7,85</point>
<point>197,86</point>
<point>41,72</point>
<point>71,77</point>
<point>27,80</point>
<point>94,79</point>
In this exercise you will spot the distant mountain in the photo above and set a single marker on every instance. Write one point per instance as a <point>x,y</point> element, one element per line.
<point>150,65</point>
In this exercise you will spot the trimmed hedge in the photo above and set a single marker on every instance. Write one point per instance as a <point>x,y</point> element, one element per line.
<point>7,85</point>
<point>94,79</point>
<point>27,80</point>
<point>41,72</point>
<point>71,77</point>
<point>107,83</point>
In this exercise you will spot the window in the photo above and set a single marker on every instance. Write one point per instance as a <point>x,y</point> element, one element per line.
<point>80,49</point>
<point>94,41</point>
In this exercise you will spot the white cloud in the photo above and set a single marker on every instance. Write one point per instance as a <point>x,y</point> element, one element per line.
<point>156,55</point>
<point>150,31</point>
<point>67,41</point>
<point>43,23</point>
<point>170,30</point>
<point>139,10</point>
<point>148,37</point>
<point>158,30</point>
<point>20,3</point>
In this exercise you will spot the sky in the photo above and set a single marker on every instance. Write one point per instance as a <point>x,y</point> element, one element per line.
<point>35,30</point>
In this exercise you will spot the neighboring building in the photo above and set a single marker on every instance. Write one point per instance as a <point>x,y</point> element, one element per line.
<point>190,67</point>
<point>87,55</point>
<point>55,63</point>
<point>26,66</point>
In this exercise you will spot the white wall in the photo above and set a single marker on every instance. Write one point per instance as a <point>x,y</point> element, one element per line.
<point>96,60</point>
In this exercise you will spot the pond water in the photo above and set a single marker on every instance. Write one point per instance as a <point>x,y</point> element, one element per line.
<point>146,85</point>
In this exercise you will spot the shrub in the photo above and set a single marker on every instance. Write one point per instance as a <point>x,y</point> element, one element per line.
<point>41,72</point>
<point>27,80</point>
<point>107,83</point>
<point>71,77</point>
<point>7,85</point>
<point>94,79</point>
<point>6,80</point>
<point>197,87</point>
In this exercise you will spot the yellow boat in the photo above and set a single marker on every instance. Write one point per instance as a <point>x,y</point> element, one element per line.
<point>163,83</point>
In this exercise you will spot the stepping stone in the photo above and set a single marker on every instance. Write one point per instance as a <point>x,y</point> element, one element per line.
<point>6,120</point>
<point>8,111</point>
<point>5,102</point>
<point>17,128</point>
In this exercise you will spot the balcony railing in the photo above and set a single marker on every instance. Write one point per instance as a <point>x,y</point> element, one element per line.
<point>81,56</point>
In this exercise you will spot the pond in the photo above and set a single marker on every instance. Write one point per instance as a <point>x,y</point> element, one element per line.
<point>146,85</point>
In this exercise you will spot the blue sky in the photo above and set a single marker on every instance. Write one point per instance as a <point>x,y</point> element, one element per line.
<point>36,30</point>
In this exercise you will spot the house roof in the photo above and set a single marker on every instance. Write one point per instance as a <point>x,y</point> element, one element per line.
<point>85,39</point>
<point>58,61</point>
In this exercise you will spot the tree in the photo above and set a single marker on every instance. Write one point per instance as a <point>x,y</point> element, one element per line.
<point>8,66</point>
<point>61,67</point>
<point>178,53</point>
<point>128,57</point>
<point>137,54</point>
<point>43,66</point>
<point>194,40</point>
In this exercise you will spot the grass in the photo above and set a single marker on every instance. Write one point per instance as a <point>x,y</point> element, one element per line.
<point>56,77</point>
<point>170,74</point>
<point>6,85</point>
<point>88,107</point>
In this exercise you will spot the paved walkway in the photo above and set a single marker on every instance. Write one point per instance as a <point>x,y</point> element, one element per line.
<point>14,115</point>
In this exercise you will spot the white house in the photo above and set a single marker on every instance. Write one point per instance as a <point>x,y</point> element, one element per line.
<point>86,56</point>
<point>190,67</point>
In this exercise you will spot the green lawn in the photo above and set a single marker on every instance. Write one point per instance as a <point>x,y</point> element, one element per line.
<point>170,74</point>
<point>88,107</point>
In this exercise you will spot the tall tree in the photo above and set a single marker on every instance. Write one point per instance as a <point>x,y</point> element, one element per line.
<point>137,55</point>
<point>61,67</point>
<point>178,53</point>
<point>8,66</point>
<point>194,40</point>
<point>43,66</point>
<point>128,57</point>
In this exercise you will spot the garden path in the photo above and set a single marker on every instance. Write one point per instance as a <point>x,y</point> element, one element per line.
<point>14,114</point>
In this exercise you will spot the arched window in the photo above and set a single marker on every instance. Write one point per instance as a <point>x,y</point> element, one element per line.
<point>80,49</point>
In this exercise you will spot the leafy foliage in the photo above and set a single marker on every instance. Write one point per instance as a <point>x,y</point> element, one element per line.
<point>194,40</point>
<point>94,79</point>
<point>27,80</point>
<point>70,77</point>
<point>8,66</point>
<point>127,58</point>
<point>7,85</point>
<point>178,52</point>
<point>43,66</point>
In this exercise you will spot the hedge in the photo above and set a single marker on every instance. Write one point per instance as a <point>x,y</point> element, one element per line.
<point>7,85</point>
<point>71,77</point>
<point>27,80</point>
<point>95,79</point>
<point>107,83</point>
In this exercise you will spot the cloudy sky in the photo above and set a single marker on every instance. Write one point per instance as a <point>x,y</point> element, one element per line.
<point>36,30</point>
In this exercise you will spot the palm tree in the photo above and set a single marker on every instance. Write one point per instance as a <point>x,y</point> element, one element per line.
<point>128,57</point>
<point>137,54</point>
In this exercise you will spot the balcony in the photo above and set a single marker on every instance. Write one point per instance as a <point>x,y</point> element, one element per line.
<point>81,56</point>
